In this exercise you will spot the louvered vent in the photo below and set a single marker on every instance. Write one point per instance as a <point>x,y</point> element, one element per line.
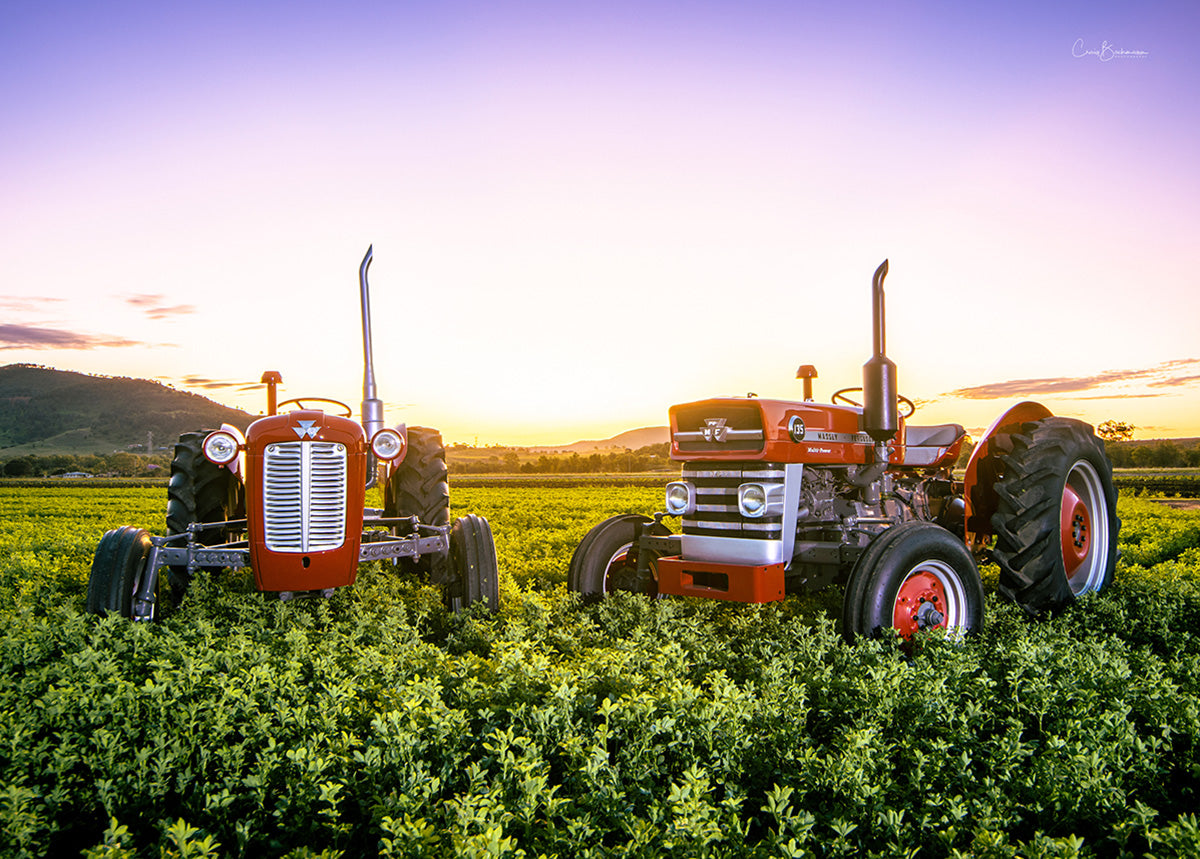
<point>304,496</point>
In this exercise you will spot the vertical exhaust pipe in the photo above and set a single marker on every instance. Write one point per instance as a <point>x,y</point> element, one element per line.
<point>372,406</point>
<point>881,419</point>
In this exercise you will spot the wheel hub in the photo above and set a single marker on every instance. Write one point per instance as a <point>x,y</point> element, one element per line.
<point>1076,529</point>
<point>920,604</point>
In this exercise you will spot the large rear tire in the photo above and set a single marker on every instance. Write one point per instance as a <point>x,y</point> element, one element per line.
<point>1056,520</point>
<point>117,570</point>
<point>473,562</point>
<point>916,576</point>
<point>419,487</point>
<point>199,491</point>
<point>604,561</point>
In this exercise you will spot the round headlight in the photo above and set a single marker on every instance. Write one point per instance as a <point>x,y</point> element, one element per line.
<point>220,448</point>
<point>752,498</point>
<point>387,444</point>
<point>679,499</point>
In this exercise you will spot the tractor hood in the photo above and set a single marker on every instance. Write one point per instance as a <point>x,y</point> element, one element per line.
<point>749,429</point>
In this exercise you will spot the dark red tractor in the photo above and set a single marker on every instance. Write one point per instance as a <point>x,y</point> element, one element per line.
<point>288,500</point>
<point>778,497</point>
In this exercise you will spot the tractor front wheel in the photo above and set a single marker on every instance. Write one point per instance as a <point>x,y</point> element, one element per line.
<point>915,576</point>
<point>606,561</point>
<point>117,571</point>
<point>473,563</point>
<point>1056,519</point>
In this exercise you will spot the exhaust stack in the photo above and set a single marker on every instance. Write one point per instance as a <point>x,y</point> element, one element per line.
<point>372,406</point>
<point>881,419</point>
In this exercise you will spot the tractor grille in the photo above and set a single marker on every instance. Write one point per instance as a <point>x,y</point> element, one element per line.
<point>304,496</point>
<point>717,513</point>
<point>721,429</point>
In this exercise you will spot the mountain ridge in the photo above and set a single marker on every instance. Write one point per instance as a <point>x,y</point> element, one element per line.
<point>45,410</point>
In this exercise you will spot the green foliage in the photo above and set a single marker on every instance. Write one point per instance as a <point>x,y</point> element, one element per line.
<point>376,723</point>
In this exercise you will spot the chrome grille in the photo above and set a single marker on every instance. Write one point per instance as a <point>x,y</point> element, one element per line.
<point>304,496</point>
<point>716,513</point>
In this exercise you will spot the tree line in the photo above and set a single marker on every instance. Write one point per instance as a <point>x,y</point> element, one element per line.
<point>118,464</point>
<point>649,458</point>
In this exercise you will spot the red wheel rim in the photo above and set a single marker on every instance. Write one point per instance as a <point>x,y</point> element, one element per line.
<point>920,604</point>
<point>617,561</point>
<point>625,561</point>
<point>1076,527</point>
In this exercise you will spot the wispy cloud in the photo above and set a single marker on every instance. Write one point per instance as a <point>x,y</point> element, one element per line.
<point>28,304</point>
<point>154,306</point>
<point>1164,376</point>
<point>31,337</point>
<point>213,384</point>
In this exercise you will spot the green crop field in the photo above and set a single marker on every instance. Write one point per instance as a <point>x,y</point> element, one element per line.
<point>374,723</point>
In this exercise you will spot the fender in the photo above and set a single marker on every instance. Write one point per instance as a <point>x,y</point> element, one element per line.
<point>978,496</point>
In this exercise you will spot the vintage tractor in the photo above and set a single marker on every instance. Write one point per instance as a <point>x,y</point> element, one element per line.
<point>779,496</point>
<point>287,499</point>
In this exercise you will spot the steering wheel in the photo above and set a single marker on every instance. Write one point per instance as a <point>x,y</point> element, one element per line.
<point>302,403</point>
<point>840,397</point>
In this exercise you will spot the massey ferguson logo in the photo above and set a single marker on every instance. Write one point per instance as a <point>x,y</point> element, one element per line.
<point>715,430</point>
<point>306,429</point>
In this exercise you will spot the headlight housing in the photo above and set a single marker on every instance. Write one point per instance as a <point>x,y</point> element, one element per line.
<point>221,447</point>
<point>388,444</point>
<point>756,500</point>
<point>681,498</point>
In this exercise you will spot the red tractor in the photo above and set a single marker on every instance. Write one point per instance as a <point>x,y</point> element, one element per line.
<point>778,497</point>
<point>288,499</point>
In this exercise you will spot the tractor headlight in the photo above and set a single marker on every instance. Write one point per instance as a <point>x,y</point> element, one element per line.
<point>752,500</point>
<point>756,500</point>
<point>387,444</point>
<point>681,498</point>
<point>221,448</point>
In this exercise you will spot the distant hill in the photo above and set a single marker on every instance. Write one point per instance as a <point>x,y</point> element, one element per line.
<point>631,439</point>
<point>47,411</point>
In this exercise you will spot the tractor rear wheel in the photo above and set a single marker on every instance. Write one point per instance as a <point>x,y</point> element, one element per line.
<point>199,491</point>
<point>605,560</point>
<point>1056,519</point>
<point>117,571</point>
<point>419,487</point>
<point>915,576</point>
<point>473,562</point>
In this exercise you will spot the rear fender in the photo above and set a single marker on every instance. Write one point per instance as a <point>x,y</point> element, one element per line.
<point>978,492</point>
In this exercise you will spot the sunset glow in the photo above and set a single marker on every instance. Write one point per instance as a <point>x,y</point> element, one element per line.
<point>583,214</point>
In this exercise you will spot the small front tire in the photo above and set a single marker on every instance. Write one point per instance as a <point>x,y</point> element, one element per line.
<point>921,577</point>
<point>117,570</point>
<point>605,560</point>
<point>472,560</point>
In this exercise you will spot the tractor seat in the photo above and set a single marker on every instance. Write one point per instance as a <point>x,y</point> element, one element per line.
<point>926,445</point>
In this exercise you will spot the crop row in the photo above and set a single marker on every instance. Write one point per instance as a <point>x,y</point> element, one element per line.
<point>374,722</point>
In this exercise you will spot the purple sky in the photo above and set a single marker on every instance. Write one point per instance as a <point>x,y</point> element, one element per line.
<point>569,201</point>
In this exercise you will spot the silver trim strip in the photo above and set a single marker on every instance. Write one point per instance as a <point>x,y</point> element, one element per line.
<point>731,550</point>
<point>730,435</point>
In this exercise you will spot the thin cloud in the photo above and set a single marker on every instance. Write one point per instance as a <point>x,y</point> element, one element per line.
<point>1155,377</point>
<point>152,304</point>
<point>27,304</point>
<point>31,337</point>
<point>211,384</point>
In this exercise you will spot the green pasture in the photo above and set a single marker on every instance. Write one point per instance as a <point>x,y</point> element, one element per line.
<point>374,723</point>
